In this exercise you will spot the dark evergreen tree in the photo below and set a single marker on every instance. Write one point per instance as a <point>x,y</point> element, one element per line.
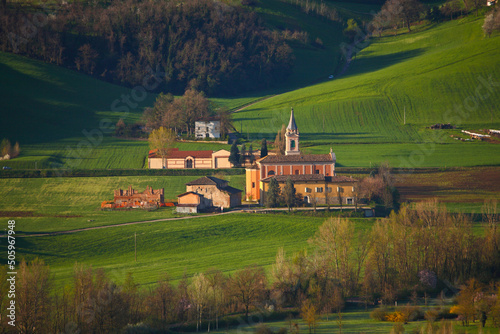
<point>243,154</point>
<point>251,158</point>
<point>234,157</point>
<point>289,194</point>
<point>273,193</point>
<point>263,148</point>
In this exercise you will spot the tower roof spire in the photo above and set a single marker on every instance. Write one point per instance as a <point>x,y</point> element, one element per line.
<point>292,125</point>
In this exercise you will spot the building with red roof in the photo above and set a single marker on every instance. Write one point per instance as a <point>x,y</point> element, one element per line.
<point>177,159</point>
<point>313,174</point>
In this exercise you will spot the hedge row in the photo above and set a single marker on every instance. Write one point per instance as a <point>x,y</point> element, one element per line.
<point>31,173</point>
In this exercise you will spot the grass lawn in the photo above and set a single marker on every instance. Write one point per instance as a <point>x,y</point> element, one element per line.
<point>58,204</point>
<point>228,242</point>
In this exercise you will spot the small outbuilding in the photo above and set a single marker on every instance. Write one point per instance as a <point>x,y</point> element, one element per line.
<point>191,202</point>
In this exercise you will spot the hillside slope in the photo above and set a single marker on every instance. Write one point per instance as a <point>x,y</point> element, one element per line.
<point>427,73</point>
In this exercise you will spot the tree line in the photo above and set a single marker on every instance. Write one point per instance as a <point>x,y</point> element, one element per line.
<point>419,250</point>
<point>206,45</point>
<point>403,13</point>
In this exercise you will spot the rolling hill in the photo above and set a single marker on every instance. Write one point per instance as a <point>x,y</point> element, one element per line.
<point>422,77</point>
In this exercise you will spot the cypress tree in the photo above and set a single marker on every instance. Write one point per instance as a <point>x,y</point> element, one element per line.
<point>234,157</point>
<point>263,148</point>
<point>289,194</point>
<point>243,154</point>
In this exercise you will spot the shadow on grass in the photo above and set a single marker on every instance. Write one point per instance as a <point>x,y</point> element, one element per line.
<point>367,64</point>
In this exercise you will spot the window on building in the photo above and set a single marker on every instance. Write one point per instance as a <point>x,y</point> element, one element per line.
<point>253,184</point>
<point>271,173</point>
<point>307,199</point>
<point>328,189</point>
<point>319,189</point>
<point>307,190</point>
<point>189,163</point>
<point>349,201</point>
<point>296,172</point>
<point>292,144</point>
<point>316,171</point>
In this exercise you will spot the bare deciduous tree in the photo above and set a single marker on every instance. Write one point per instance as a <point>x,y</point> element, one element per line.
<point>248,286</point>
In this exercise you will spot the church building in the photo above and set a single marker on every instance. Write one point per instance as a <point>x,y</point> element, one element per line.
<point>318,170</point>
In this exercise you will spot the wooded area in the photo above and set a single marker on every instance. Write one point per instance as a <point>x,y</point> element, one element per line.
<point>204,45</point>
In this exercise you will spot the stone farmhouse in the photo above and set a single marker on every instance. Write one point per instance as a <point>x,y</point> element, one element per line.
<point>314,174</point>
<point>206,192</point>
<point>189,159</point>
<point>207,129</point>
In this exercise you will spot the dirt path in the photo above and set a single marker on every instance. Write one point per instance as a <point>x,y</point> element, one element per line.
<point>248,210</point>
<point>252,103</point>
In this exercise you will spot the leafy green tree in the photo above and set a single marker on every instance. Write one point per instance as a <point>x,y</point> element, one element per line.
<point>273,193</point>
<point>310,315</point>
<point>162,140</point>
<point>289,194</point>
<point>263,148</point>
<point>234,157</point>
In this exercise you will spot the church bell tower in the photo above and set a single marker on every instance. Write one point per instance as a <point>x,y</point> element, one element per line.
<point>292,137</point>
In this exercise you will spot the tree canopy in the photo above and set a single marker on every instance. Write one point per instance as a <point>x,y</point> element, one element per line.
<point>206,45</point>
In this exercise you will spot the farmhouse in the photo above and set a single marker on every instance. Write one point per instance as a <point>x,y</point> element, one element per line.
<point>134,199</point>
<point>318,188</point>
<point>206,192</point>
<point>191,202</point>
<point>189,159</point>
<point>293,163</point>
<point>208,129</point>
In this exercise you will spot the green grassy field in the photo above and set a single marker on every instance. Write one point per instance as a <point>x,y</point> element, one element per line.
<point>228,242</point>
<point>59,204</point>
<point>430,73</point>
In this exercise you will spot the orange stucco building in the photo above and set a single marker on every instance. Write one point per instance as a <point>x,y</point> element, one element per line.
<point>320,166</point>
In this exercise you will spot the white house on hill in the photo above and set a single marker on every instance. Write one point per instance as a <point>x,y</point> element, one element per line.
<point>208,129</point>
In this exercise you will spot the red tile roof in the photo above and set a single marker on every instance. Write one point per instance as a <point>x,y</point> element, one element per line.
<point>302,158</point>
<point>310,178</point>
<point>176,154</point>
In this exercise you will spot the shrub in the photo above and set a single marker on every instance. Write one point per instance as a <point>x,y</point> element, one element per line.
<point>397,317</point>
<point>398,328</point>
<point>379,314</point>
